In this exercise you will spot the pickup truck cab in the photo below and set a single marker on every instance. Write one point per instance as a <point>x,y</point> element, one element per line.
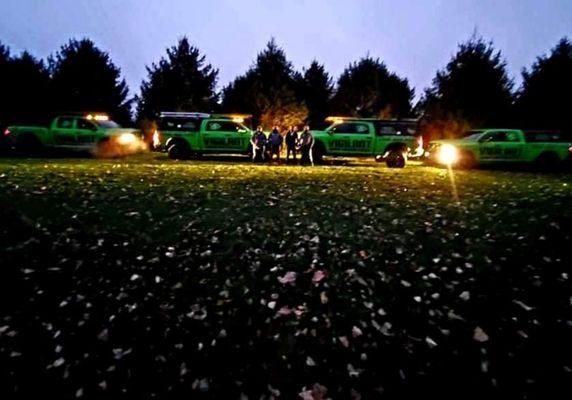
<point>94,133</point>
<point>184,134</point>
<point>488,146</point>
<point>392,141</point>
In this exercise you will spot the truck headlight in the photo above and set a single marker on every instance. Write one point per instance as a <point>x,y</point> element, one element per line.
<point>126,138</point>
<point>156,140</point>
<point>447,154</point>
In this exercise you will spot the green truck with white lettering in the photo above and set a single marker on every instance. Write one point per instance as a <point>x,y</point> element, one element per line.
<point>186,134</point>
<point>392,141</point>
<point>500,146</point>
<point>93,133</point>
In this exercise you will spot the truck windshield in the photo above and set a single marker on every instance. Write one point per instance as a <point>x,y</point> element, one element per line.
<point>472,135</point>
<point>107,124</point>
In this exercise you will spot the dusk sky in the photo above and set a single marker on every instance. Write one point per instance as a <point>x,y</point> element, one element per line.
<point>413,37</point>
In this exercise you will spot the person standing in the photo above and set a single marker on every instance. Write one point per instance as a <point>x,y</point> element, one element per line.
<point>306,144</point>
<point>275,142</point>
<point>258,142</point>
<point>291,139</point>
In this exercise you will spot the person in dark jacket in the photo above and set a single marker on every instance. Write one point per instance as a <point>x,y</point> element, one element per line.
<point>291,139</point>
<point>306,146</point>
<point>258,142</point>
<point>275,143</point>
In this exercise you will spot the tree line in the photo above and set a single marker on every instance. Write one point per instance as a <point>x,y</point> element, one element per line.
<point>473,90</point>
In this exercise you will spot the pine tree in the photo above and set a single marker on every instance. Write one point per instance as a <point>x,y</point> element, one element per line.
<point>544,99</point>
<point>270,90</point>
<point>182,81</point>
<point>368,89</point>
<point>4,79</point>
<point>473,91</point>
<point>85,79</point>
<point>317,92</point>
<point>29,89</point>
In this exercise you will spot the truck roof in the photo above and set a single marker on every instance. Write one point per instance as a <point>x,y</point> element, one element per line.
<point>201,115</point>
<point>389,120</point>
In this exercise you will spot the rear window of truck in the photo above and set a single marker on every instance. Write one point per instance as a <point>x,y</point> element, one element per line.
<point>547,137</point>
<point>180,124</point>
<point>395,129</point>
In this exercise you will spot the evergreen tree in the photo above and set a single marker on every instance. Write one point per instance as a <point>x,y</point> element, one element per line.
<point>29,98</point>
<point>4,79</point>
<point>317,92</point>
<point>182,81</point>
<point>24,81</point>
<point>270,90</point>
<point>473,90</point>
<point>368,89</point>
<point>85,79</point>
<point>544,99</point>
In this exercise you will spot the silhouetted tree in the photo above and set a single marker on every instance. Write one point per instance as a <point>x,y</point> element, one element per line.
<point>181,82</point>
<point>85,79</point>
<point>270,90</point>
<point>473,90</point>
<point>544,99</point>
<point>4,79</point>
<point>29,99</point>
<point>368,89</point>
<point>317,92</point>
<point>24,81</point>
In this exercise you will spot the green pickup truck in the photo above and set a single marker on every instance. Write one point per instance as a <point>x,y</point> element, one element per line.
<point>492,146</point>
<point>184,134</point>
<point>392,141</point>
<point>93,133</point>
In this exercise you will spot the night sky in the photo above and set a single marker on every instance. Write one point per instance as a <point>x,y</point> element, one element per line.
<point>413,37</point>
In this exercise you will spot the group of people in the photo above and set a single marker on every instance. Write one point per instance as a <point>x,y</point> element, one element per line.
<point>269,148</point>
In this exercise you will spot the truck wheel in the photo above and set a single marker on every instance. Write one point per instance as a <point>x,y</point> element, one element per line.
<point>467,160</point>
<point>395,159</point>
<point>547,161</point>
<point>318,153</point>
<point>177,151</point>
<point>29,144</point>
<point>103,149</point>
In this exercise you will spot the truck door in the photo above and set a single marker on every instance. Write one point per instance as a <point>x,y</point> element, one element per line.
<point>223,135</point>
<point>500,146</point>
<point>64,132</point>
<point>350,138</point>
<point>85,132</point>
<point>362,139</point>
<point>514,146</point>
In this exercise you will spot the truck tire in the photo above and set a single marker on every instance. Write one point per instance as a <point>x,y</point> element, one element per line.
<point>105,148</point>
<point>179,150</point>
<point>467,160</point>
<point>396,159</point>
<point>318,152</point>
<point>547,161</point>
<point>29,144</point>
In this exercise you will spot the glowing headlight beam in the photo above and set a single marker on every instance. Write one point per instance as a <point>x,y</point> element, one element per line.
<point>448,154</point>
<point>126,138</point>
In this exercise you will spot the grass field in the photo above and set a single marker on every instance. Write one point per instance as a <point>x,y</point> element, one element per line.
<point>145,277</point>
